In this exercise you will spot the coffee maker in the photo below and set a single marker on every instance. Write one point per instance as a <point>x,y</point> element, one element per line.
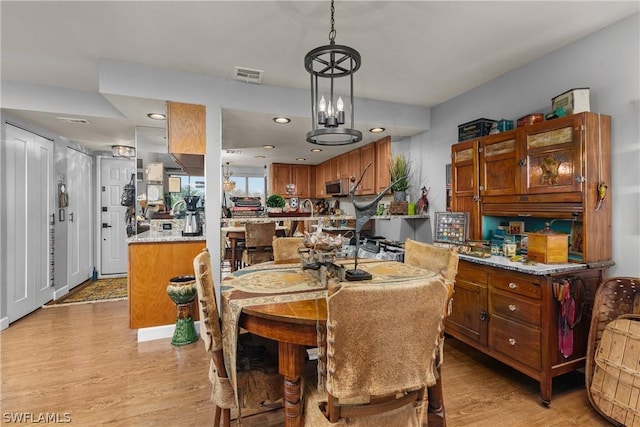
<point>192,224</point>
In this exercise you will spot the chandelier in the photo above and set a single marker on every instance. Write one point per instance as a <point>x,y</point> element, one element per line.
<point>327,65</point>
<point>123,151</point>
<point>227,184</point>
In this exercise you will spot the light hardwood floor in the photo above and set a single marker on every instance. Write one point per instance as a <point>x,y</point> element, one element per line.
<point>83,360</point>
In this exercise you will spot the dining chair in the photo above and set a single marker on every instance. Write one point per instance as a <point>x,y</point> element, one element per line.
<point>445,262</point>
<point>285,249</point>
<point>257,388</point>
<point>431,257</point>
<point>381,346</point>
<point>258,243</point>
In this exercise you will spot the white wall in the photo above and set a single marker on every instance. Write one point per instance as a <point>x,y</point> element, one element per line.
<point>608,62</point>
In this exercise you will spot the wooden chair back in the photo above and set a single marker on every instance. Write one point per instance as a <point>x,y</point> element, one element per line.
<point>381,348</point>
<point>285,249</point>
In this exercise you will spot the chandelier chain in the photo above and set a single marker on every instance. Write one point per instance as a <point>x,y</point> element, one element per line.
<point>332,33</point>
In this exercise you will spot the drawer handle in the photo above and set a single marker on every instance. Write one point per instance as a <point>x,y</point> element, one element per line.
<point>512,285</point>
<point>512,307</point>
<point>512,341</point>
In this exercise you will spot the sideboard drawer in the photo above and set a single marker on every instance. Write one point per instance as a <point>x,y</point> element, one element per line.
<point>517,309</point>
<point>516,284</point>
<point>518,342</point>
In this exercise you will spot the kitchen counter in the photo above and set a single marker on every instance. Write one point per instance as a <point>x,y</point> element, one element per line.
<point>534,269</point>
<point>260,219</point>
<point>163,236</point>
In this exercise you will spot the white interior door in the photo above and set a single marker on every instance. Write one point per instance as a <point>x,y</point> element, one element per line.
<point>28,210</point>
<point>114,175</point>
<point>79,236</point>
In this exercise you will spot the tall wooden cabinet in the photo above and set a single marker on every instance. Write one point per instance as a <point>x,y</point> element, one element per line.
<point>546,171</point>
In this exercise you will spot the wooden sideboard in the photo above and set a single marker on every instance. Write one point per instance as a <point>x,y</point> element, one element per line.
<point>514,317</point>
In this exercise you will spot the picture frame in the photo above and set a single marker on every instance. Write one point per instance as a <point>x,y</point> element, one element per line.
<point>175,184</point>
<point>577,238</point>
<point>516,227</point>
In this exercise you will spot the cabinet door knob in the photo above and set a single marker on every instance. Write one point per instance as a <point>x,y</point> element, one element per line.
<point>512,285</point>
<point>483,315</point>
<point>512,307</point>
<point>523,162</point>
<point>512,341</point>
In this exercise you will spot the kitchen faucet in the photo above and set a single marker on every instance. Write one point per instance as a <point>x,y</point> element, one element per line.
<point>310,203</point>
<point>174,208</point>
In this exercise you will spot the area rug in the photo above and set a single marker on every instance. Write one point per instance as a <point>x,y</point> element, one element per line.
<point>100,290</point>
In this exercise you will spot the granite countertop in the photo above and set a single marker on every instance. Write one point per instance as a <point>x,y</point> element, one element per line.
<point>260,219</point>
<point>535,269</point>
<point>163,236</point>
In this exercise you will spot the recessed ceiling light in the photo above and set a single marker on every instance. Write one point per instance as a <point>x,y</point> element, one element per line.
<point>376,130</point>
<point>301,159</point>
<point>157,116</point>
<point>259,156</point>
<point>281,120</point>
<point>268,147</point>
<point>316,150</point>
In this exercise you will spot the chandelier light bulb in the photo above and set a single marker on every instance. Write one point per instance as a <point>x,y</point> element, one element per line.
<point>322,106</point>
<point>340,104</point>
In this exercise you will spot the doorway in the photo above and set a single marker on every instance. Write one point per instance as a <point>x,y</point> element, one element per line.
<point>115,173</point>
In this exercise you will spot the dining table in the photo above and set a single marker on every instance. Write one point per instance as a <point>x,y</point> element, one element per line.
<point>287,304</point>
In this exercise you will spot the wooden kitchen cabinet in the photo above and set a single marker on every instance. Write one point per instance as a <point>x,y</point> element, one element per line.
<point>514,317</point>
<point>546,170</point>
<point>186,134</point>
<point>353,164</point>
<point>186,124</point>
<point>383,156</point>
<point>465,187</point>
<point>284,173</point>
<point>368,156</point>
<point>150,267</point>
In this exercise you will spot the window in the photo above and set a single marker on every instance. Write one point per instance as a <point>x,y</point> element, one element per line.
<point>189,186</point>
<point>248,186</point>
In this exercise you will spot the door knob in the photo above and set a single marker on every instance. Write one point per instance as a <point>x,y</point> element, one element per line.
<point>70,216</point>
<point>105,225</point>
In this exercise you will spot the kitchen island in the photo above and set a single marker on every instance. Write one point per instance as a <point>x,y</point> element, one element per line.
<point>534,318</point>
<point>154,258</point>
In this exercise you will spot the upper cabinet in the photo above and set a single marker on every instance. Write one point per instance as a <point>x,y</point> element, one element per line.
<point>303,176</point>
<point>383,156</point>
<point>186,128</point>
<point>550,170</point>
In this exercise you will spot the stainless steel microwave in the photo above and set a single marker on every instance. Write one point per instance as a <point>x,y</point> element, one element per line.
<point>339,187</point>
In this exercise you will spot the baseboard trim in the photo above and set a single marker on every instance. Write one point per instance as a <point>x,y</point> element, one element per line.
<point>159,332</point>
<point>4,323</point>
<point>58,293</point>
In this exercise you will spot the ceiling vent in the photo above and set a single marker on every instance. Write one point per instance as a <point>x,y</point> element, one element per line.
<point>248,75</point>
<point>74,120</point>
<point>233,151</point>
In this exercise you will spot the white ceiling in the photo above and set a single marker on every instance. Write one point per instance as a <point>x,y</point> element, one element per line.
<point>414,52</point>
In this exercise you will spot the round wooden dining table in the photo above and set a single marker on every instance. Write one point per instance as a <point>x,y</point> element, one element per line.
<point>294,325</point>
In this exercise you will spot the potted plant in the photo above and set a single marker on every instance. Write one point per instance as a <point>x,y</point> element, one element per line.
<point>275,203</point>
<point>400,170</point>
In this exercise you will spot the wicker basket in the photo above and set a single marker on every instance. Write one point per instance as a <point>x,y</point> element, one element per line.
<point>398,208</point>
<point>613,351</point>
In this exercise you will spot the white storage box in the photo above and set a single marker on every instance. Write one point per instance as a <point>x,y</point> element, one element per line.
<point>573,101</point>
